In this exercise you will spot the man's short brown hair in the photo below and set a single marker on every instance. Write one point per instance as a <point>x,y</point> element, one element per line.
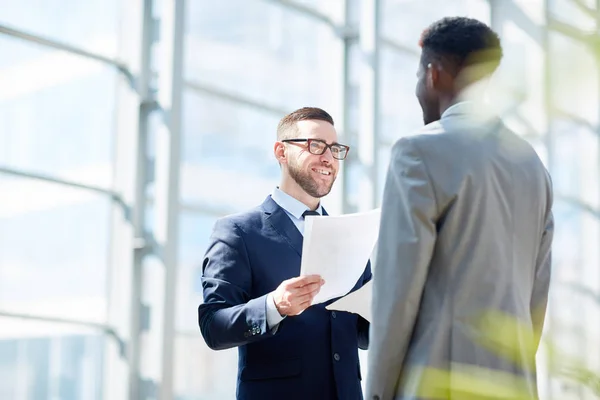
<point>286,129</point>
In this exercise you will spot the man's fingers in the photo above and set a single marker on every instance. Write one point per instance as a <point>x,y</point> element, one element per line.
<point>304,280</point>
<point>299,298</point>
<point>308,288</point>
<point>305,304</point>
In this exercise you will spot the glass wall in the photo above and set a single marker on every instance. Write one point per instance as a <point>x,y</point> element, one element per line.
<point>57,121</point>
<point>91,233</point>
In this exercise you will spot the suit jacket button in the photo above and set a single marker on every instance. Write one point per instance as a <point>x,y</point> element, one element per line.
<point>336,357</point>
<point>333,315</point>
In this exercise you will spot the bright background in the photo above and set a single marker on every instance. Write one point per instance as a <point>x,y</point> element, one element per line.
<point>128,127</point>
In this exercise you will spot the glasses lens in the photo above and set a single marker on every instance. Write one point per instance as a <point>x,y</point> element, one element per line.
<point>317,147</point>
<point>339,151</point>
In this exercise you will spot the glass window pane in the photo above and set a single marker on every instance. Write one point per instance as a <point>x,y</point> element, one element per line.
<point>91,24</point>
<point>227,153</point>
<point>264,52</point>
<point>54,256</point>
<point>56,113</point>
<point>400,113</point>
<point>331,8</point>
<point>41,360</point>
<point>517,88</point>
<point>576,153</point>
<point>207,374</point>
<point>195,230</point>
<point>574,78</point>
<point>405,20</point>
<point>569,11</point>
<point>568,252</point>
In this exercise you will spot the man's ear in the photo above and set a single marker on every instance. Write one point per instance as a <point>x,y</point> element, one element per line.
<point>433,75</point>
<point>280,153</point>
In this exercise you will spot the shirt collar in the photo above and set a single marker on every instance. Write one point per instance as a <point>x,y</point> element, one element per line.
<point>456,108</point>
<point>290,204</point>
<point>471,101</point>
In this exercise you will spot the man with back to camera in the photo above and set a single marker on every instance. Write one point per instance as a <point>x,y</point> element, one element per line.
<point>466,231</point>
<point>253,297</point>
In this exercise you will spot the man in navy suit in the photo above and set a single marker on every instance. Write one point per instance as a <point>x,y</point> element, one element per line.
<point>255,300</point>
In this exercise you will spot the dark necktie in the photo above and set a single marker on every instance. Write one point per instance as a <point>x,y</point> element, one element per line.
<point>309,212</point>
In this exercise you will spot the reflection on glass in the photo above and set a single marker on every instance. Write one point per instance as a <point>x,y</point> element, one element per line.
<point>56,114</point>
<point>207,374</point>
<point>265,52</point>
<point>404,20</point>
<point>201,373</point>
<point>518,88</point>
<point>40,360</point>
<point>569,11</point>
<point>194,231</point>
<point>574,78</point>
<point>91,25</point>
<point>54,254</point>
<point>400,112</point>
<point>227,153</point>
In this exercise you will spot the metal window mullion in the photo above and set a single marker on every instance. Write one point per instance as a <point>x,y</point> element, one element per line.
<point>167,176</point>
<point>234,98</point>
<point>108,330</point>
<point>392,45</point>
<point>368,137</point>
<point>349,130</point>
<point>141,247</point>
<point>307,11</point>
<point>52,179</point>
<point>29,37</point>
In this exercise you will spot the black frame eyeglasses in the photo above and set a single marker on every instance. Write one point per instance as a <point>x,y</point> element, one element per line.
<point>319,147</point>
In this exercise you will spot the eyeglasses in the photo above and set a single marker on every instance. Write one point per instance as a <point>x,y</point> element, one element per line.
<point>318,147</point>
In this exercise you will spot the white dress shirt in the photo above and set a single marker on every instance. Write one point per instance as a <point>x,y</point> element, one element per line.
<point>294,209</point>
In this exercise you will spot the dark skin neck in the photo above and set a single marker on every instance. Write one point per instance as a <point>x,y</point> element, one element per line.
<point>453,96</point>
<point>446,102</point>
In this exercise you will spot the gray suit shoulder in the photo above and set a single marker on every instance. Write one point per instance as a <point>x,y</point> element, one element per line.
<point>421,135</point>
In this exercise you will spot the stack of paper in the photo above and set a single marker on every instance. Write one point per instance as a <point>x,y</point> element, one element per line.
<point>358,302</point>
<point>338,248</point>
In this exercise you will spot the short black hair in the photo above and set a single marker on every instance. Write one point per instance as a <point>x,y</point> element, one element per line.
<point>286,128</point>
<point>464,41</point>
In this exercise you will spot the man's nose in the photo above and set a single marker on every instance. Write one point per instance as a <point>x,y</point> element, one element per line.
<point>327,157</point>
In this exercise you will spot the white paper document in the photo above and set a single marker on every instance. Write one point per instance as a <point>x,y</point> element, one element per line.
<point>338,248</point>
<point>358,302</point>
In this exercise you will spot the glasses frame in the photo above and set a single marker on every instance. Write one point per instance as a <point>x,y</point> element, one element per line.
<point>327,146</point>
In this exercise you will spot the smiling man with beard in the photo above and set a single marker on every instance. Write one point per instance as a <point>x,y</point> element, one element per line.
<point>253,297</point>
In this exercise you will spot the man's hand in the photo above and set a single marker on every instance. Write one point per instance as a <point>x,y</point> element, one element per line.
<point>295,295</point>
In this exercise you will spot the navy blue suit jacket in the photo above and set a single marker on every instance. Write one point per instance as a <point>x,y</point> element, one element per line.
<point>310,356</point>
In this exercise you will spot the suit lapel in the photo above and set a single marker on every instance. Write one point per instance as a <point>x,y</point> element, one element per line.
<point>282,224</point>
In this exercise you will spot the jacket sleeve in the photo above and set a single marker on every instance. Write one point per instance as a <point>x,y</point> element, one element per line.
<point>228,316</point>
<point>407,238</point>
<point>543,269</point>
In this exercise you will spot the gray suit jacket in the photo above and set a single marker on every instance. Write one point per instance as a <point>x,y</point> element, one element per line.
<point>463,263</point>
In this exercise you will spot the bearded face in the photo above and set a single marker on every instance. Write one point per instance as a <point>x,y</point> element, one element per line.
<point>309,159</point>
<point>315,178</point>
